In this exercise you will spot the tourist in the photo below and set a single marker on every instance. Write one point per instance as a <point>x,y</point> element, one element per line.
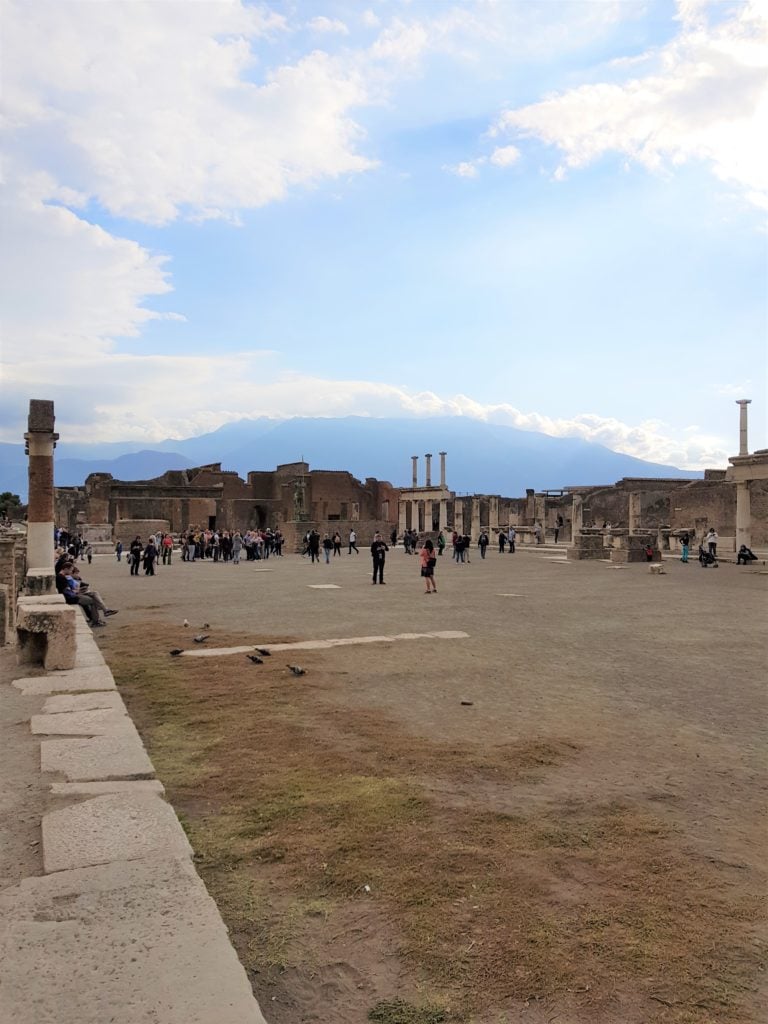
<point>134,555</point>
<point>167,547</point>
<point>353,543</point>
<point>706,558</point>
<point>89,552</point>
<point>558,527</point>
<point>237,547</point>
<point>327,548</point>
<point>379,551</point>
<point>502,541</point>
<point>440,543</point>
<point>482,543</point>
<point>337,544</point>
<point>649,552</point>
<point>428,563</point>
<point>685,541</point>
<point>314,546</point>
<point>712,540</point>
<point>149,557</point>
<point>511,536</point>
<point>75,591</point>
<point>407,542</point>
<point>537,532</point>
<point>393,537</point>
<point>119,551</point>
<point>745,555</point>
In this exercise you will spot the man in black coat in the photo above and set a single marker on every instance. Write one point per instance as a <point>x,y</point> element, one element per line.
<point>379,551</point>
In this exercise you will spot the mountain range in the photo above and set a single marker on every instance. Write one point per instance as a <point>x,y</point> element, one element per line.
<point>482,458</point>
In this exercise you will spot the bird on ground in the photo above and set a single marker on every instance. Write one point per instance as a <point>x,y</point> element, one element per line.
<point>255,659</point>
<point>201,638</point>
<point>206,625</point>
<point>297,670</point>
<point>186,623</point>
<point>176,652</point>
<point>263,651</point>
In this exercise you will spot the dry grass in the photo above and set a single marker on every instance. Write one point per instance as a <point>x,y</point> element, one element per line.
<point>277,783</point>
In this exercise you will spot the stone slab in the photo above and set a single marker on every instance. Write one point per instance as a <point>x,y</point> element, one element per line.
<point>75,680</point>
<point>84,702</point>
<point>131,942</point>
<point>97,722</point>
<point>117,826</point>
<point>88,658</point>
<point>97,760</point>
<point>100,788</point>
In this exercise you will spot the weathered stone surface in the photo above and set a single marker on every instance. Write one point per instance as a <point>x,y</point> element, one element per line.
<point>100,788</point>
<point>96,722</point>
<point>46,634</point>
<point>137,942</point>
<point>41,416</point>
<point>84,702</point>
<point>98,759</point>
<point>76,681</point>
<point>118,826</point>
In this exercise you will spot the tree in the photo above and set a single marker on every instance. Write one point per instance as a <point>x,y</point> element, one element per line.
<point>7,502</point>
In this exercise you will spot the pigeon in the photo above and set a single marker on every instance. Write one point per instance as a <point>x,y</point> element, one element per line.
<point>186,623</point>
<point>263,651</point>
<point>176,652</point>
<point>201,638</point>
<point>297,671</point>
<point>255,659</point>
<point>206,625</point>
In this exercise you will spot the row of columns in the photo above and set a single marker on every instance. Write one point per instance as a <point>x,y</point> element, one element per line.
<point>458,515</point>
<point>428,463</point>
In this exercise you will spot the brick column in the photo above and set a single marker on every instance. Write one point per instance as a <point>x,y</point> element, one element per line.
<point>40,442</point>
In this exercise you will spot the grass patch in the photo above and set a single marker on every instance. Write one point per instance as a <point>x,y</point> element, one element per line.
<point>399,1012</point>
<point>282,792</point>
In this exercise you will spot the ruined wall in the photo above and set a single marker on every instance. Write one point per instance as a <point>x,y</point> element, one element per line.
<point>758,496</point>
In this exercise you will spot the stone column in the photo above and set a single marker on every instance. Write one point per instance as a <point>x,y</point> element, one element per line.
<point>401,516</point>
<point>743,515</point>
<point>428,515</point>
<point>443,513</point>
<point>442,469</point>
<point>634,512</point>
<point>458,516</point>
<point>428,460</point>
<point>415,461</point>
<point>40,442</point>
<point>743,445</point>
<point>577,516</point>
<point>8,587</point>
<point>474,527</point>
<point>415,514</point>
<point>493,515</point>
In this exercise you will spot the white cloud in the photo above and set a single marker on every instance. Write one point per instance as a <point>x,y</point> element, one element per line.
<point>466,169</point>
<point>329,25</point>
<point>154,115</point>
<point>705,99</point>
<point>505,156</point>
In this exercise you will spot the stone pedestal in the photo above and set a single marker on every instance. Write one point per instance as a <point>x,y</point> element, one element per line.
<point>586,546</point>
<point>631,548</point>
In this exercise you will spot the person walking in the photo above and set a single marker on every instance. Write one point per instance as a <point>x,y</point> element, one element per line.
<point>379,551</point>
<point>337,544</point>
<point>150,557</point>
<point>237,547</point>
<point>134,555</point>
<point>314,546</point>
<point>353,543</point>
<point>483,543</point>
<point>440,543</point>
<point>428,563</point>
<point>119,551</point>
<point>685,541</point>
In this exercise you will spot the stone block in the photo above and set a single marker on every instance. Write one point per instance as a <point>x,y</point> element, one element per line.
<point>76,681</point>
<point>83,702</point>
<point>40,583</point>
<point>586,546</point>
<point>6,606</point>
<point>97,760</point>
<point>117,826</point>
<point>41,416</point>
<point>46,634</point>
<point>95,722</point>
<point>113,786</point>
<point>127,942</point>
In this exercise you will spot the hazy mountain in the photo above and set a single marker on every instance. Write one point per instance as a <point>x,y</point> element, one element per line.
<point>482,457</point>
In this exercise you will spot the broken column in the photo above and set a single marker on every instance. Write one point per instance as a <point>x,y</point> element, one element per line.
<point>40,442</point>
<point>415,461</point>
<point>743,441</point>
<point>428,460</point>
<point>635,499</point>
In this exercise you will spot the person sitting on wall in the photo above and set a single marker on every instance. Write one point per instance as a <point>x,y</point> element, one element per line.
<point>745,555</point>
<point>73,589</point>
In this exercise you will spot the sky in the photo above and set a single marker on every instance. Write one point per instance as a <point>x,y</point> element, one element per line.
<point>544,214</point>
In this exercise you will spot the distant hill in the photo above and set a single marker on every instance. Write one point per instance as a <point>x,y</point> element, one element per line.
<point>482,457</point>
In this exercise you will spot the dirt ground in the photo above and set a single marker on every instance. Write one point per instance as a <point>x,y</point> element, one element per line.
<point>559,817</point>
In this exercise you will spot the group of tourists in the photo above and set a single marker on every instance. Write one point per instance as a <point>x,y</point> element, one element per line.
<point>330,544</point>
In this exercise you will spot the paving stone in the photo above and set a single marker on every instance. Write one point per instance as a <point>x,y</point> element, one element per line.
<point>129,942</point>
<point>98,759</point>
<point>114,786</point>
<point>117,826</point>
<point>75,680</point>
<point>84,702</point>
<point>98,722</point>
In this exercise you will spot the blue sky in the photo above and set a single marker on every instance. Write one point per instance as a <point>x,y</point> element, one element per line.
<point>549,215</point>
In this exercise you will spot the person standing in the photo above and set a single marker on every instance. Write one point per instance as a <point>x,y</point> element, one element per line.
<point>685,541</point>
<point>167,543</point>
<point>393,537</point>
<point>119,551</point>
<point>511,535</point>
<point>428,563</point>
<point>314,546</point>
<point>150,557</point>
<point>483,543</point>
<point>502,541</point>
<point>537,532</point>
<point>337,544</point>
<point>712,540</point>
<point>327,548</point>
<point>237,547</point>
<point>353,543</point>
<point>134,555</point>
<point>440,543</point>
<point>379,551</point>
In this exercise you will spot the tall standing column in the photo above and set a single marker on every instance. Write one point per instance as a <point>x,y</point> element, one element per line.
<point>428,460</point>
<point>743,442</point>
<point>415,525</point>
<point>493,515</point>
<point>743,515</point>
<point>577,516</point>
<point>443,513</point>
<point>401,516</point>
<point>442,469</point>
<point>458,516</point>
<point>634,511</point>
<point>474,527</point>
<point>415,461</point>
<point>428,515</point>
<point>40,441</point>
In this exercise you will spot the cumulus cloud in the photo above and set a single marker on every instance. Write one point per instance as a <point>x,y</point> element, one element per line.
<point>505,156</point>
<point>330,25</point>
<point>704,98</point>
<point>156,115</point>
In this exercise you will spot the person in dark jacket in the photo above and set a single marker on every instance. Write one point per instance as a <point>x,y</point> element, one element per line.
<point>379,551</point>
